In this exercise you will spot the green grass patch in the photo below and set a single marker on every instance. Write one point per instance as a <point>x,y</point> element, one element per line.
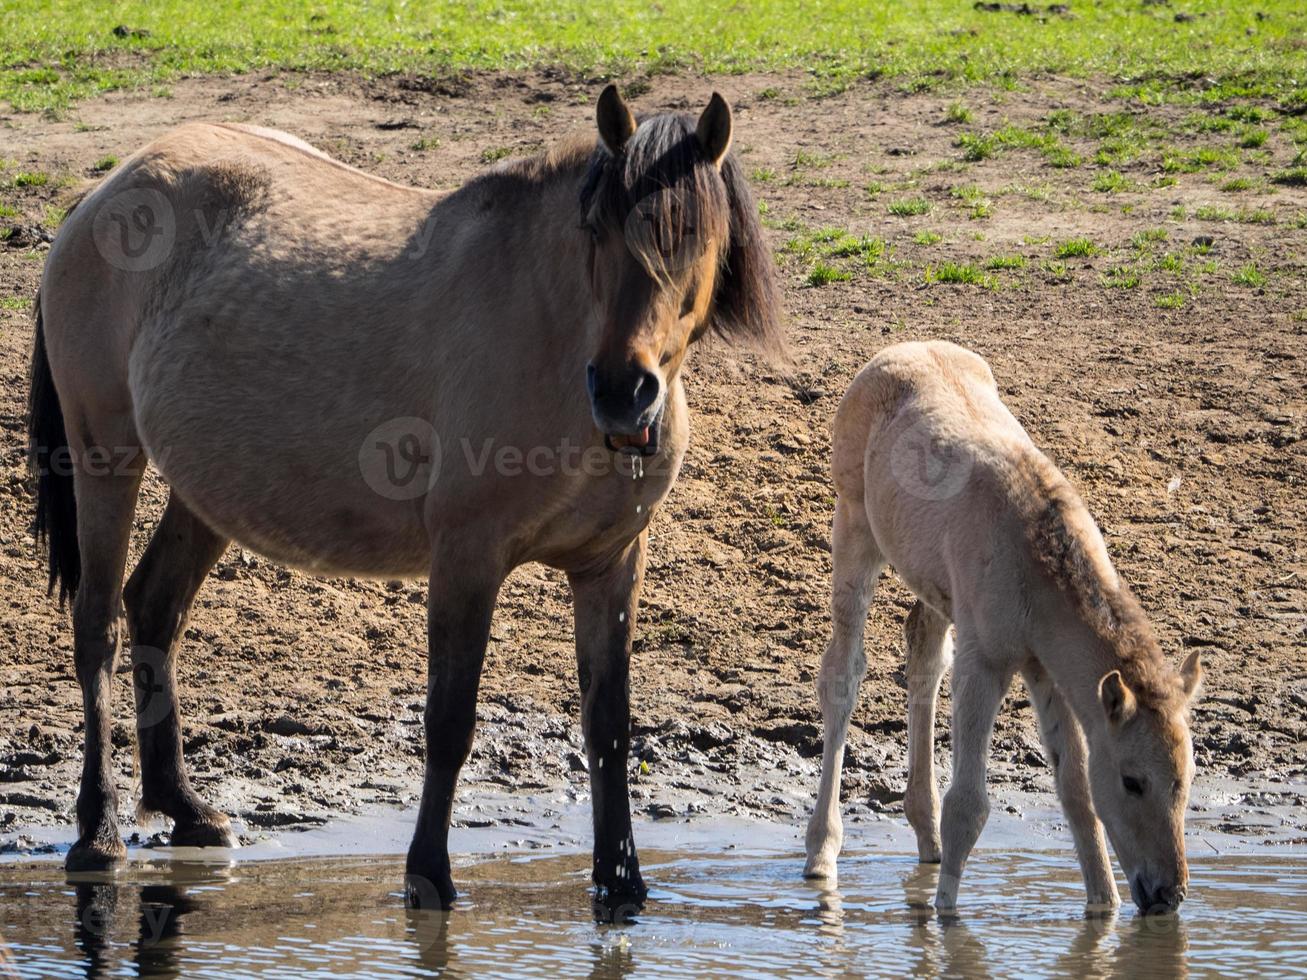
<point>1110,181</point>
<point>1005,262</point>
<point>27,178</point>
<point>51,55</point>
<point>822,274</point>
<point>1249,216</point>
<point>1171,301</point>
<point>1292,177</point>
<point>15,303</point>
<point>1238,184</point>
<point>1077,248</point>
<point>961,274</point>
<point>104,164</point>
<point>957,113</point>
<point>1149,236</point>
<point>909,207</point>
<point>1121,277</point>
<point>927,238</point>
<point>1248,275</point>
<point>1204,158</point>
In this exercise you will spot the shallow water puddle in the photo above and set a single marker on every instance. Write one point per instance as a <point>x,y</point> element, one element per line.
<point>743,915</point>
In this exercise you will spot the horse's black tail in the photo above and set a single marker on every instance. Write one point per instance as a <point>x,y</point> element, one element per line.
<point>51,462</point>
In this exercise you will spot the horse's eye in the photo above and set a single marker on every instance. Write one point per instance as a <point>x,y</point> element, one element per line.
<point>1132,786</point>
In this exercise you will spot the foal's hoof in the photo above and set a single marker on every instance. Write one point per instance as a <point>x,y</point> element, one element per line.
<point>96,853</point>
<point>215,832</point>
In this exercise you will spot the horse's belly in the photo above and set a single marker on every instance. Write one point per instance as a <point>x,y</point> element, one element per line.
<point>295,484</point>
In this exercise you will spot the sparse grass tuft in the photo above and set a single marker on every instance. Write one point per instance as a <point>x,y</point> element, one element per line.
<point>1121,277</point>
<point>822,274</point>
<point>1249,275</point>
<point>104,164</point>
<point>1077,248</point>
<point>957,113</point>
<point>927,238</point>
<point>909,207</point>
<point>956,273</point>
<point>1110,181</point>
<point>1149,235</point>
<point>1006,262</point>
<point>1294,176</point>
<point>1171,301</point>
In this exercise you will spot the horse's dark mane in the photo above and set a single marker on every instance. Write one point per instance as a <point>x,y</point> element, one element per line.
<point>664,155</point>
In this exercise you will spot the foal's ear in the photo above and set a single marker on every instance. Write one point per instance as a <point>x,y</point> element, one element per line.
<point>616,124</point>
<point>714,129</point>
<point>1118,700</point>
<point>1191,675</point>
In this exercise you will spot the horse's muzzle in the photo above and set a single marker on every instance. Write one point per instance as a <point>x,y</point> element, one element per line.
<point>645,443</point>
<point>627,407</point>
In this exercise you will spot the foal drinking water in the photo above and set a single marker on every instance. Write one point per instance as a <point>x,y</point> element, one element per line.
<point>935,477</point>
<point>313,357</point>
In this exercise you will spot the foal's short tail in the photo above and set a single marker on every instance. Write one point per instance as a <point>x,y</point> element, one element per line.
<point>51,462</point>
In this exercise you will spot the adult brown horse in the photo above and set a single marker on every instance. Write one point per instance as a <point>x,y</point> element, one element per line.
<point>359,378</point>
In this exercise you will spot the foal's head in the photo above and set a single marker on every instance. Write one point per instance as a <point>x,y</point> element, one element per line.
<point>1141,765</point>
<point>676,250</point>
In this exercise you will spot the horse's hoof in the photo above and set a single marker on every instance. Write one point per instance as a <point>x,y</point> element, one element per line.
<point>422,893</point>
<point>96,853</point>
<point>215,832</point>
<point>620,901</point>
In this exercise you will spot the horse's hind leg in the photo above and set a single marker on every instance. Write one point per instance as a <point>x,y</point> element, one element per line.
<point>857,563</point>
<point>106,478</point>
<point>1067,753</point>
<point>158,597</point>
<point>928,655</point>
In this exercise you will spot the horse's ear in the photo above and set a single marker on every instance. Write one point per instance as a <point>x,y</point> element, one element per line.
<point>714,129</point>
<point>1191,675</point>
<point>1118,700</point>
<point>616,124</point>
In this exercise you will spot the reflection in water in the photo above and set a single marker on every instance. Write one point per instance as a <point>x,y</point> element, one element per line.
<point>706,915</point>
<point>100,925</point>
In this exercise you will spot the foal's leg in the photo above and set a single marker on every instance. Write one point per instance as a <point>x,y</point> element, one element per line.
<point>978,691</point>
<point>158,597</point>
<point>928,655</point>
<point>105,491</point>
<point>858,563</point>
<point>460,605</point>
<point>1069,756</point>
<point>605,598</point>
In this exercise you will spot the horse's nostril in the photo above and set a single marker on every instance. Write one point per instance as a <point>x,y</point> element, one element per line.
<point>646,389</point>
<point>591,380</point>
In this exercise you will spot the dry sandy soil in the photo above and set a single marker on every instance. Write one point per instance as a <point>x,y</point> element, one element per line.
<point>1182,426</point>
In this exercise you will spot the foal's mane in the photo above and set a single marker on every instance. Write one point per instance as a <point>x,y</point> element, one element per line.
<point>663,170</point>
<point>1056,536</point>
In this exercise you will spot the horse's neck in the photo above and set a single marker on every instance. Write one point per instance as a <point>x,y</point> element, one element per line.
<point>1071,650</point>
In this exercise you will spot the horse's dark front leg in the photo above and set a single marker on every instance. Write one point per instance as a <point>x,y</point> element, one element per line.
<point>458,627</point>
<point>605,600</point>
